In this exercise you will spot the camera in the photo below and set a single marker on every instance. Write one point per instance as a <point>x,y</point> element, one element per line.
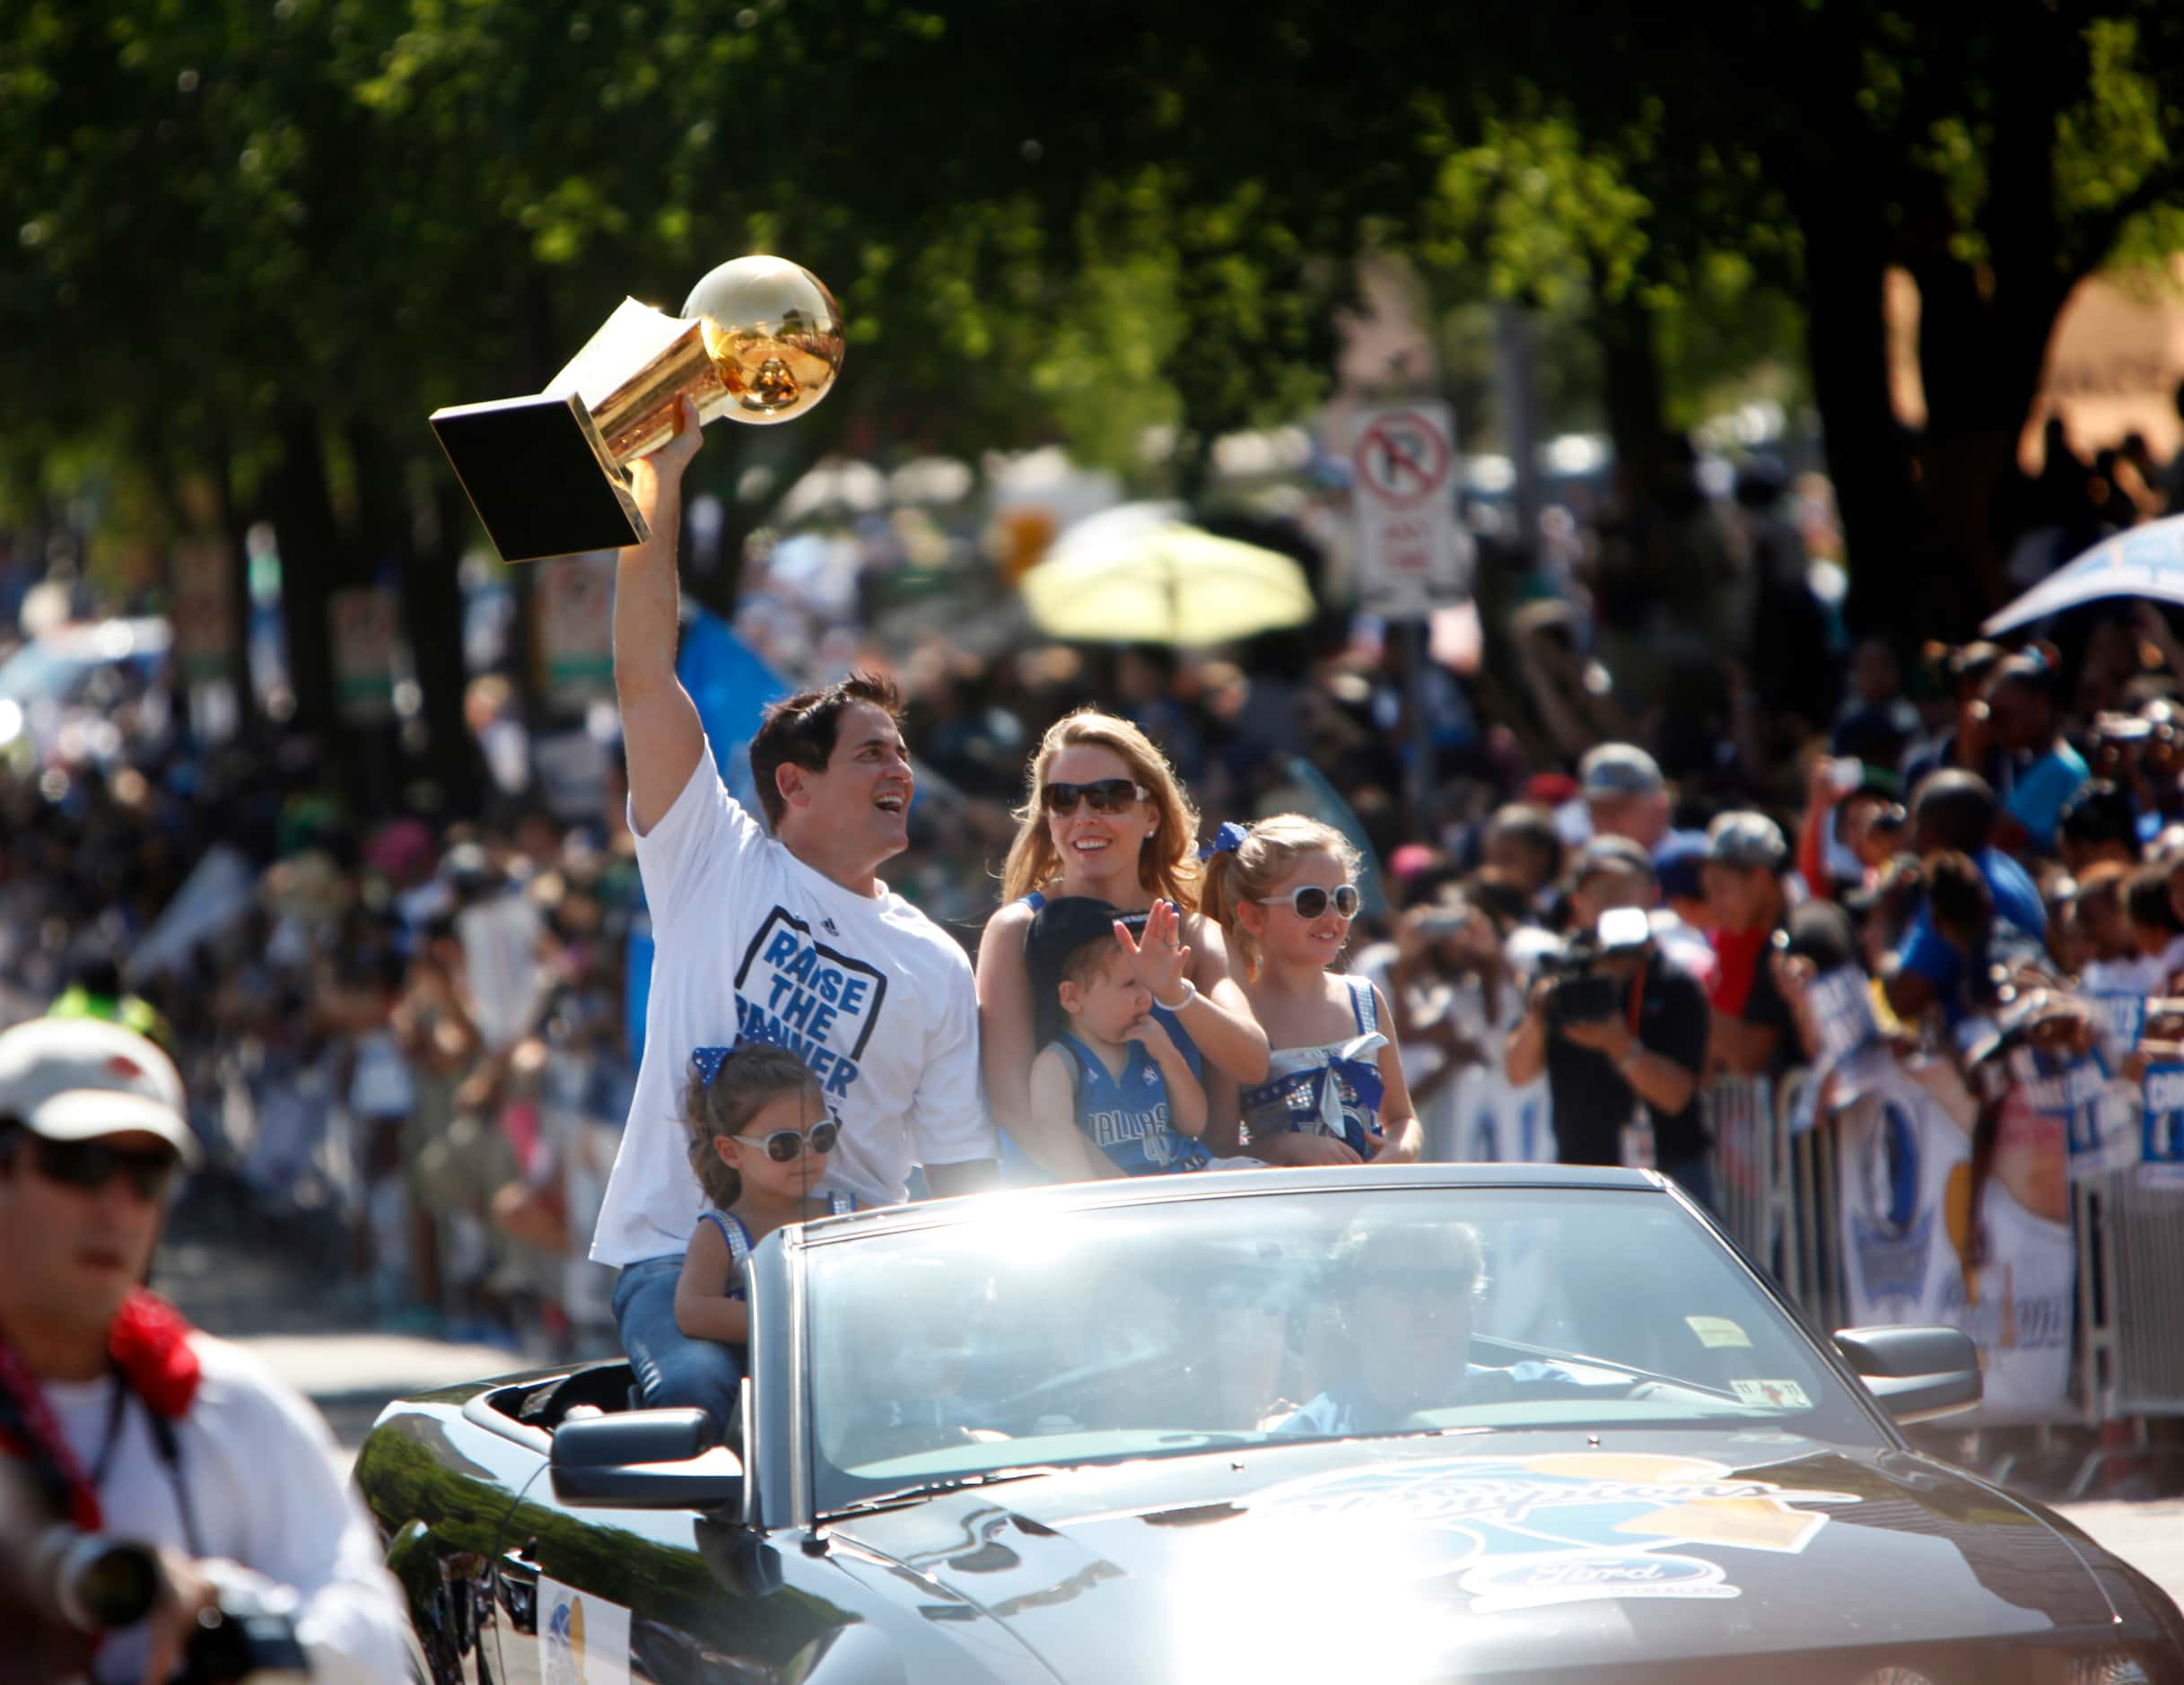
<point>1581,992</point>
<point>90,1581</point>
<point>95,1582</point>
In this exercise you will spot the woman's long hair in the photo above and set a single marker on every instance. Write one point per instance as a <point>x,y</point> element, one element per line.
<point>1168,863</point>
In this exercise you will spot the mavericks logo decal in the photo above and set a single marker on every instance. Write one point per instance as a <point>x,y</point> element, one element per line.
<point>798,993</point>
<point>1565,1528</point>
<point>583,1640</point>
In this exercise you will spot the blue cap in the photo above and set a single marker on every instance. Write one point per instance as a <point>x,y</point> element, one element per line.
<point>1679,869</point>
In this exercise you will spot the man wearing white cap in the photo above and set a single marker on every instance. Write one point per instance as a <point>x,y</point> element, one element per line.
<point>1755,1031</point>
<point>1625,795</point>
<point>120,1418</point>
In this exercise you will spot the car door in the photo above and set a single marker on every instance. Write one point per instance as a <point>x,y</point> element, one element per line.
<point>578,1591</point>
<point>442,1485</point>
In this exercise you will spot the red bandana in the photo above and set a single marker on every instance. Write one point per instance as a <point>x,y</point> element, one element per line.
<point>150,1339</point>
<point>150,1344</point>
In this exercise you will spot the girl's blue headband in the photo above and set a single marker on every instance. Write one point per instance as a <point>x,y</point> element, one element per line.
<point>1227,839</point>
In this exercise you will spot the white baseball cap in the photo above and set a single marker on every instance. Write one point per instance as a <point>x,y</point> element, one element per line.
<point>74,1079</point>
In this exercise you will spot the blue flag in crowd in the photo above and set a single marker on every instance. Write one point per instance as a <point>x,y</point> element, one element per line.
<point>731,687</point>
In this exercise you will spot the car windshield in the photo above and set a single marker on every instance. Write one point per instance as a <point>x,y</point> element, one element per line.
<point>1029,1337</point>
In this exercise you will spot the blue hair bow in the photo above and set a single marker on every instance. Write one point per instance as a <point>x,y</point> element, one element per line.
<point>709,1061</point>
<point>1227,839</point>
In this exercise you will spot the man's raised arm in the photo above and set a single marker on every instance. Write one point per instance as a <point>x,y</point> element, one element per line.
<point>660,732</point>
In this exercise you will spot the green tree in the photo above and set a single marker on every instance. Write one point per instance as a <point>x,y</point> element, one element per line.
<point>2000,157</point>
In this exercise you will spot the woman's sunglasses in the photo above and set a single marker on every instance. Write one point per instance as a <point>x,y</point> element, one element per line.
<point>90,1165</point>
<point>1310,901</point>
<point>785,1147</point>
<point>1105,795</point>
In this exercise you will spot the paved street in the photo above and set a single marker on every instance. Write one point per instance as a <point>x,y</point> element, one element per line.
<point>275,1298</point>
<point>2149,1535</point>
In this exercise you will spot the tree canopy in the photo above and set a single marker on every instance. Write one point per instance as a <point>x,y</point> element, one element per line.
<point>255,244</point>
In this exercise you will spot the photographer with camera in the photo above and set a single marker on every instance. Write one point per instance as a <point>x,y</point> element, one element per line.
<point>183,1514</point>
<point>1620,1034</point>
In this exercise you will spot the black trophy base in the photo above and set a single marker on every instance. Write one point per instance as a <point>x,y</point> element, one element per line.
<point>538,474</point>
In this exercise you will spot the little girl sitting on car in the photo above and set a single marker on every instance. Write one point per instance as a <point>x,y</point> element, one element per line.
<point>1284,890</point>
<point>759,1135</point>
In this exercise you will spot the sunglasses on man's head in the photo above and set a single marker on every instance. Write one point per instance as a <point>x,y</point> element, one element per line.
<point>1104,795</point>
<point>785,1147</point>
<point>1310,900</point>
<point>90,1165</point>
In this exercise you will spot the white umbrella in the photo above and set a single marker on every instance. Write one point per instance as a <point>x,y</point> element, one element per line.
<point>1138,574</point>
<point>2146,561</point>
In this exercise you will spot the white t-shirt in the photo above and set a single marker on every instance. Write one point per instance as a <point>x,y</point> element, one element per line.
<point>378,1084</point>
<point>275,1520</point>
<point>1480,1114</point>
<point>507,980</point>
<point>751,941</point>
<point>2144,974</point>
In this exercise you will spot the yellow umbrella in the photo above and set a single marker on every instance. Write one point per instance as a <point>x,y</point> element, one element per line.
<point>1140,575</point>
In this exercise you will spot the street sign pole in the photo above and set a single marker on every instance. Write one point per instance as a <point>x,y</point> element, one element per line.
<point>1409,551</point>
<point>1420,793</point>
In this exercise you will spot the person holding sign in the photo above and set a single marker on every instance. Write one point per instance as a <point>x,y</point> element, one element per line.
<point>782,933</point>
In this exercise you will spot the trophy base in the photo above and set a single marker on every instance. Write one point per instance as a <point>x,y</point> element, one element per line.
<point>540,476</point>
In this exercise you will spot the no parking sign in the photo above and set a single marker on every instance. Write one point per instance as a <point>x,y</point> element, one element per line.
<point>1411,551</point>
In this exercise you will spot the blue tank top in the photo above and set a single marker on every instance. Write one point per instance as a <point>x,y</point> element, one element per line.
<point>1127,1117</point>
<point>1330,1089</point>
<point>739,1237</point>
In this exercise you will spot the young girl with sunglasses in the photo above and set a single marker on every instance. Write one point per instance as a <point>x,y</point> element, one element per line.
<point>1284,890</point>
<point>760,1132</point>
<point>1109,820</point>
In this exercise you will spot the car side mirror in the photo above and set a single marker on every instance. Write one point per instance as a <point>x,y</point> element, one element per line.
<point>1916,1373</point>
<point>666,1459</point>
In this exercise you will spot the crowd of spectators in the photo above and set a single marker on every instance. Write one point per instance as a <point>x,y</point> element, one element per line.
<point>410,1043</point>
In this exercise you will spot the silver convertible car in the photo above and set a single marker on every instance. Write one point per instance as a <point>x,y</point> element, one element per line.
<point>1437,1423</point>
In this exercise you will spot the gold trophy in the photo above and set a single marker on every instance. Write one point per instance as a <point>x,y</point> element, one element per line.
<point>759,340</point>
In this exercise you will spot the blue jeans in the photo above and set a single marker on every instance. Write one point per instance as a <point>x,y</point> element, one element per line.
<point>1694,1175</point>
<point>672,1368</point>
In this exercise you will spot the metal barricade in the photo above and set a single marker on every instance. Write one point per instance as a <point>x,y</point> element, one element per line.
<point>1820,1291</point>
<point>1751,1174</point>
<point>2130,1226</point>
<point>1777,1191</point>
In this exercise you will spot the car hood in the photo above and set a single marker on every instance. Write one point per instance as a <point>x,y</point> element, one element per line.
<point>1439,1556</point>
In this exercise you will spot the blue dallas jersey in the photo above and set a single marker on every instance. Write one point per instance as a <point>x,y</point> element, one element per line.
<point>1127,1117</point>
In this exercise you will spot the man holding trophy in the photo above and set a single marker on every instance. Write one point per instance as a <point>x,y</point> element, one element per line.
<point>783,931</point>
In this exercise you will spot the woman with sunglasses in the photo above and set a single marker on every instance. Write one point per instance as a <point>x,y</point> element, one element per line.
<point>1107,819</point>
<point>760,1132</point>
<point>1285,891</point>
